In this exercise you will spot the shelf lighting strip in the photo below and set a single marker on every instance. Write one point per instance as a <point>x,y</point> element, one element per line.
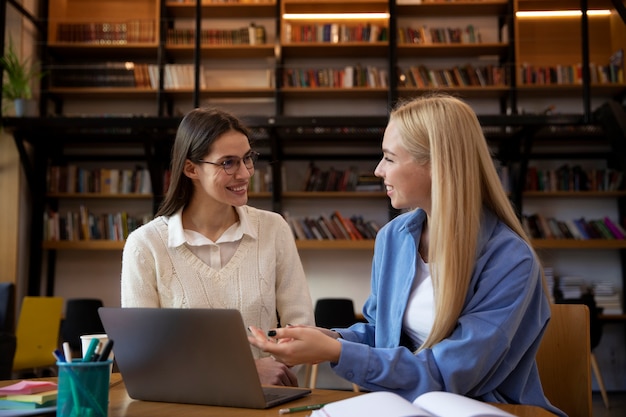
<point>562,13</point>
<point>335,16</point>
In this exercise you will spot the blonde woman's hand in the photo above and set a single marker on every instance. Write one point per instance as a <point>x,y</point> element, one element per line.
<point>295,345</point>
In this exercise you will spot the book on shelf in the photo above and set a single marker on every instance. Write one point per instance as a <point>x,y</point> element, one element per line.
<point>107,33</point>
<point>538,226</point>
<point>333,227</point>
<point>74,179</point>
<point>616,66</point>
<point>430,404</point>
<point>573,178</point>
<point>85,225</point>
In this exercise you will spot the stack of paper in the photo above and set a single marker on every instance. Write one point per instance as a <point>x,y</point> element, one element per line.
<point>27,395</point>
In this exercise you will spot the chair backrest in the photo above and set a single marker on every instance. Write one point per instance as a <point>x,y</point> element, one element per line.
<point>334,312</point>
<point>81,317</point>
<point>7,307</point>
<point>563,360</point>
<point>37,332</point>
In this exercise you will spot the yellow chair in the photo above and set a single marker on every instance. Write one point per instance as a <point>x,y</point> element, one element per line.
<point>563,360</point>
<point>37,333</point>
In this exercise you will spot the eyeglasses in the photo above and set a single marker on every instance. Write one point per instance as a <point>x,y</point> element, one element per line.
<point>231,165</point>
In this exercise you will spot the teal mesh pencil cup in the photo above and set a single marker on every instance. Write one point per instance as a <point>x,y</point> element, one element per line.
<point>83,389</point>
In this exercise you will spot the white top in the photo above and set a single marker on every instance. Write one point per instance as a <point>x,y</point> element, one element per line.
<point>420,311</point>
<point>214,254</point>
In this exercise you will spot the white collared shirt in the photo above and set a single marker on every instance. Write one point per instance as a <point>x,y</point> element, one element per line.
<point>214,254</point>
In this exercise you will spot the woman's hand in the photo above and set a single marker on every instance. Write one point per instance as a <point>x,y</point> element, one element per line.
<point>295,345</point>
<point>272,372</point>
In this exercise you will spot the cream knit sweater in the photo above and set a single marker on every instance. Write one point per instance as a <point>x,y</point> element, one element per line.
<point>264,279</point>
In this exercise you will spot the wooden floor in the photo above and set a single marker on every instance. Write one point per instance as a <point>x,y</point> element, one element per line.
<point>617,405</point>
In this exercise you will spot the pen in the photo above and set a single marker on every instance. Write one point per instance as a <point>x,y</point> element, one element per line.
<point>106,350</point>
<point>58,355</point>
<point>92,347</point>
<point>303,408</point>
<point>68,352</point>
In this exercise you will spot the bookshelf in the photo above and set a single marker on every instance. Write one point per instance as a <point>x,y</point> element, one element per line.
<point>553,54</point>
<point>250,80</point>
<point>460,47</point>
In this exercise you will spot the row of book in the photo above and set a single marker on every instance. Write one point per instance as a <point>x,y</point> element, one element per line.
<point>574,287</point>
<point>333,227</point>
<point>538,226</point>
<point>107,33</point>
<point>573,178</point>
<point>332,179</point>
<point>85,225</point>
<point>105,74</point>
<point>438,35</point>
<point>335,32</point>
<point>74,179</point>
<point>458,76</point>
<point>570,74</point>
<point>250,35</point>
<point>349,76</point>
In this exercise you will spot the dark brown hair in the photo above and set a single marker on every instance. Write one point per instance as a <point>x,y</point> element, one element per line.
<point>197,132</point>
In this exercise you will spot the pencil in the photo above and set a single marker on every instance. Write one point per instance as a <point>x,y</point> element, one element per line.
<point>303,408</point>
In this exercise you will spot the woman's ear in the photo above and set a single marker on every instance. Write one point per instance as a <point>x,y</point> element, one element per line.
<point>190,169</point>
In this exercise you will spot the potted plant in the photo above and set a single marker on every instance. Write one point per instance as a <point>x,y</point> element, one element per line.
<point>18,76</point>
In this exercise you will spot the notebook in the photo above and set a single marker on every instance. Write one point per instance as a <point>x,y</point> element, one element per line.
<point>192,356</point>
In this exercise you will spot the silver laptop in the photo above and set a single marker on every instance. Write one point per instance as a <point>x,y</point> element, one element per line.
<point>192,356</point>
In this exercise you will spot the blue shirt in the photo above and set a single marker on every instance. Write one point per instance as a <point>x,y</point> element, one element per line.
<point>489,356</point>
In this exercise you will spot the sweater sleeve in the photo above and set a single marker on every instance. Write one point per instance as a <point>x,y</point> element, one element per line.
<point>138,280</point>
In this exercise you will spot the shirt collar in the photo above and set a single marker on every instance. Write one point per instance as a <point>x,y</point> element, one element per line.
<point>176,233</point>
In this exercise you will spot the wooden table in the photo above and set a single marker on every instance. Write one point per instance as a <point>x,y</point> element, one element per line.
<point>121,405</point>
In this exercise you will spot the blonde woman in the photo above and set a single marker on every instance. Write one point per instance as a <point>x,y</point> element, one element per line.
<point>457,299</point>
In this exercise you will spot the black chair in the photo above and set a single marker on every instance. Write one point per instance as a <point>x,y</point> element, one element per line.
<point>334,312</point>
<point>7,307</point>
<point>8,342</point>
<point>81,317</point>
<point>329,313</point>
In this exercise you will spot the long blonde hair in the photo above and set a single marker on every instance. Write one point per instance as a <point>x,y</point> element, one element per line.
<point>445,131</point>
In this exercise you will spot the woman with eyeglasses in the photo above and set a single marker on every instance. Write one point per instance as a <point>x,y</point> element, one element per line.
<point>206,248</point>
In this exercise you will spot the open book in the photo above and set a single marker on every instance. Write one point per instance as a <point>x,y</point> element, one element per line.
<point>430,404</point>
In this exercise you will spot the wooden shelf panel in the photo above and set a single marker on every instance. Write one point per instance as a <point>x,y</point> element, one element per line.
<point>578,244</point>
<point>187,10</point>
<point>101,196</point>
<point>569,90</point>
<point>84,245</point>
<point>330,92</point>
<point>335,244</point>
<point>121,52</point>
<point>446,50</point>
<point>235,92</point>
<point>530,5</point>
<point>469,92</point>
<point>335,50</point>
<point>457,8</point>
<point>335,6</point>
<point>110,92</point>
<point>261,194</point>
<point>334,194</point>
<point>222,51</point>
<point>574,194</point>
